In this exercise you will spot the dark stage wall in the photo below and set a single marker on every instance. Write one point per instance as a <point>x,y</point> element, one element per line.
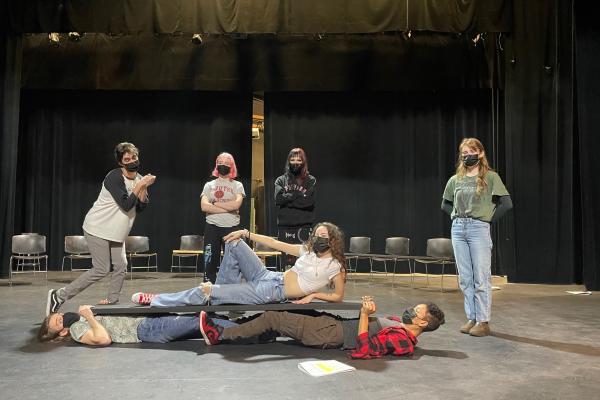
<point>381,159</point>
<point>523,91</point>
<point>588,145</point>
<point>66,148</point>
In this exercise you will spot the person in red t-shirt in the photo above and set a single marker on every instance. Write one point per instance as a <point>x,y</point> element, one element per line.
<point>367,336</point>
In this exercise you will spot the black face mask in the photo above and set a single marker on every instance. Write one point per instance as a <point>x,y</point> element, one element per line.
<point>320,244</point>
<point>132,166</point>
<point>295,168</point>
<point>408,315</point>
<point>470,160</point>
<point>223,170</point>
<point>70,318</point>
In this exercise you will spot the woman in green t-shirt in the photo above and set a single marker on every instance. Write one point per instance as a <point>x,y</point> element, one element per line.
<point>474,197</point>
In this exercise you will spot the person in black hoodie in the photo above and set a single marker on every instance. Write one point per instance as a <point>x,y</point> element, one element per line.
<point>295,200</point>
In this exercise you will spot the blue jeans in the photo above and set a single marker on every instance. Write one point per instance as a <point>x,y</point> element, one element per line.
<point>239,261</point>
<point>174,327</point>
<point>472,245</point>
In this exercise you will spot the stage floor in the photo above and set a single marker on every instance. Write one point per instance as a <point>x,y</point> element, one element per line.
<point>545,345</point>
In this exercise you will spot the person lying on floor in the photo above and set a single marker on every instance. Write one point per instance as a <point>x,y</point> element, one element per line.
<point>321,263</point>
<point>86,328</point>
<point>368,337</point>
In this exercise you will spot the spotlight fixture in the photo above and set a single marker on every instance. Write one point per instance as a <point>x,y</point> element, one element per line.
<point>54,39</point>
<point>407,34</point>
<point>74,36</point>
<point>197,39</point>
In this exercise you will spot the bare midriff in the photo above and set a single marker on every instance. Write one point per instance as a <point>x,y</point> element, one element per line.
<point>291,288</point>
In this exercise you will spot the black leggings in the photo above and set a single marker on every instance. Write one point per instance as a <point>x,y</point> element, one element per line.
<point>213,244</point>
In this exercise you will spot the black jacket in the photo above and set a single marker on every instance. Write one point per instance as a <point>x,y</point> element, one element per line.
<point>296,202</point>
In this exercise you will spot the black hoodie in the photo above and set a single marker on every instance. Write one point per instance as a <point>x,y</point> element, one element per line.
<point>296,201</point>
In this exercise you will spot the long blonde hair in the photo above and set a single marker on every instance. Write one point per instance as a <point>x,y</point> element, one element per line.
<point>484,165</point>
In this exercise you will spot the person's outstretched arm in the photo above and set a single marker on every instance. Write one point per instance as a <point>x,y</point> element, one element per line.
<point>292,249</point>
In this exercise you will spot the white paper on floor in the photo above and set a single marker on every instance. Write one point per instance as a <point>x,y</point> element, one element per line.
<point>324,367</point>
<point>583,292</point>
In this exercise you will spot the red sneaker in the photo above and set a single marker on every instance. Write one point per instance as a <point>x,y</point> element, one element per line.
<point>143,299</point>
<point>210,331</point>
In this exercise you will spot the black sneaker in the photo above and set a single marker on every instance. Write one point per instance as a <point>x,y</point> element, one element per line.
<point>54,302</point>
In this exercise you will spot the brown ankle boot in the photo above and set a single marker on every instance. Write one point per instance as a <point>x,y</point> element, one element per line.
<point>480,329</point>
<point>466,328</point>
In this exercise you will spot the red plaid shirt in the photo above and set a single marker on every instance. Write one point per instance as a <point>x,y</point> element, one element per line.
<point>395,340</point>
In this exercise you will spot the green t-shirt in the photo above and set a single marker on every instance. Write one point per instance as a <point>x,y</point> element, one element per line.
<point>120,329</point>
<point>462,193</point>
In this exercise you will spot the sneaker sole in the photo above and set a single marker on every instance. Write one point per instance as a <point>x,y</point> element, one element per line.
<point>482,334</point>
<point>202,318</point>
<point>207,341</point>
<point>49,302</point>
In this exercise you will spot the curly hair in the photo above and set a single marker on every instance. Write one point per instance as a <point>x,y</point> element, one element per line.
<point>45,335</point>
<point>435,317</point>
<point>336,243</point>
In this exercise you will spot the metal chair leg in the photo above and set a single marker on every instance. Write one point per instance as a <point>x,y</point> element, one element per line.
<point>10,271</point>
<point>442,282</point>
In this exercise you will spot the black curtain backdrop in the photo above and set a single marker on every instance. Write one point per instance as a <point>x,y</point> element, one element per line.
<point>66,148</point>
<point>539,142</point>
<point>10,91</point>
<point>381,160</point>
<point>383,62</point>
<point>588,122</point>
<point>259,16</point>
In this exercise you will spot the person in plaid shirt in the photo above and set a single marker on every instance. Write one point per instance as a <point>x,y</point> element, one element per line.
<point>366,337</point>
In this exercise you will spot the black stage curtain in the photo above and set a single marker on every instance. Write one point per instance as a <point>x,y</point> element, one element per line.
<point>10,90</point>
<point>66,148</point>
<point>381,160</point>
<point>539,142</point>
<point>387,62</point>
<point>259,16</point>
<point>588,121</point>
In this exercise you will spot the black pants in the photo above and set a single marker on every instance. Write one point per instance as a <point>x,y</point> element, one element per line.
<point>213,244</point>
<point>293,235</point>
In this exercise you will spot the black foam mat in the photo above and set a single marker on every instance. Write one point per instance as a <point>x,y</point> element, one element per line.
<point>145,310</point>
